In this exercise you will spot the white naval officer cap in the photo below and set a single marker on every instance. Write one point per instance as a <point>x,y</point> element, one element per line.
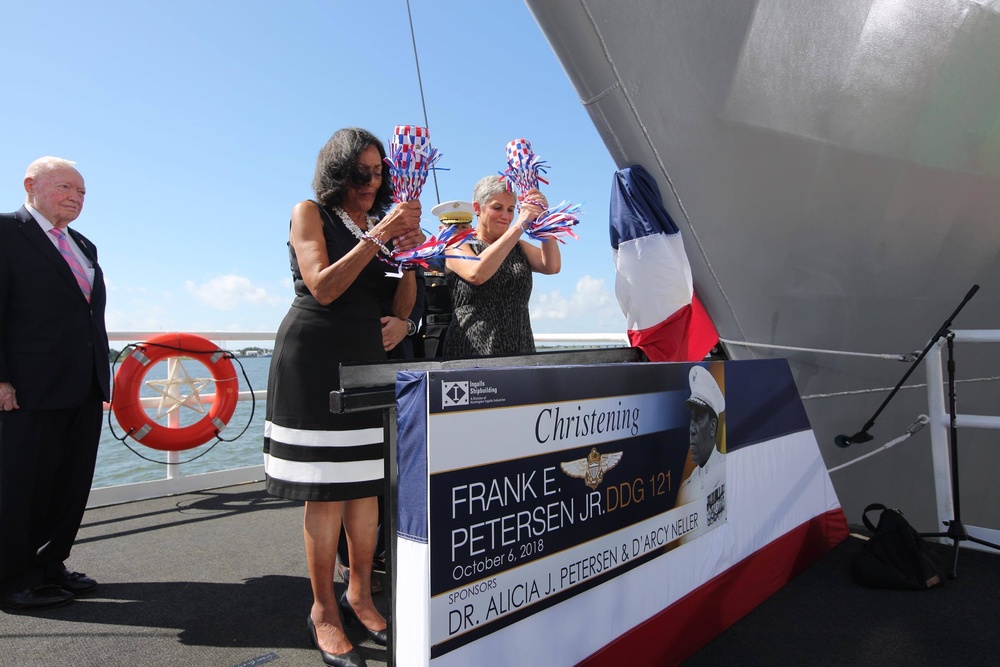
<point>705,390</point>
<point>453,212</point>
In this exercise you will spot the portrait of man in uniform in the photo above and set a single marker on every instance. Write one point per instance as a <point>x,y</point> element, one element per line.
<point>707,481</point>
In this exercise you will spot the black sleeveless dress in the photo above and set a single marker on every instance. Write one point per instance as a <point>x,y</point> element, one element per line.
<point>310,453</point>
<point>492,318</point>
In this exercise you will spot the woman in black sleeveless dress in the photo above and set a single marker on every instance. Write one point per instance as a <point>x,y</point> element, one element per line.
<point>335,462</point>
<point>490,296</point>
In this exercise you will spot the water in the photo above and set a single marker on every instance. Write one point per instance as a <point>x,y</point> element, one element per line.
<point>116,464</point>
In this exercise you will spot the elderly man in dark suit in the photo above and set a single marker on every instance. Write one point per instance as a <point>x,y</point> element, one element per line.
<point>54,375</point>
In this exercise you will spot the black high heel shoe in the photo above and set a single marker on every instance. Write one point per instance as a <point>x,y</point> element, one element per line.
<point>378,636</point>
<point>348,659</point>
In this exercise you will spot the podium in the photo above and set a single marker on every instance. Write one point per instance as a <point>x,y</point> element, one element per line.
<point>371,386</point>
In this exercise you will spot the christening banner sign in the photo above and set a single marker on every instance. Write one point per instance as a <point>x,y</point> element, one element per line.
<point>533,485</point>
<point>598,515</point>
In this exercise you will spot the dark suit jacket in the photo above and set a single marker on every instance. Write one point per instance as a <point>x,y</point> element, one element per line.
<point>52,342</point>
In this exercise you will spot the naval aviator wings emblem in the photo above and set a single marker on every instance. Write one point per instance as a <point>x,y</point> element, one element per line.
<point>592,468</point>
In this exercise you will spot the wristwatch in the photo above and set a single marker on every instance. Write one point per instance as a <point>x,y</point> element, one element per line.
<point>411,327</point>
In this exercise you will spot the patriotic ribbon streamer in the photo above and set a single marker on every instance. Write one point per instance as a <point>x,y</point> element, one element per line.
<point>410,159</point>
<point>449,239</point>
<point>524,169</point>
<point>555,222</point>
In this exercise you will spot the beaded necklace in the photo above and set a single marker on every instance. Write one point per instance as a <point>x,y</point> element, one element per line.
<point>360,235</point>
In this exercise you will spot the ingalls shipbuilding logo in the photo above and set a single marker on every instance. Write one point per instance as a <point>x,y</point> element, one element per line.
<point>469,392</point>
<point>454,393</point>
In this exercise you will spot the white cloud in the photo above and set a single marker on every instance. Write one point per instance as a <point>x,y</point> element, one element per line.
<point>230,292</point>
<point>136,308</point>
<point>136,319</point>
<point>591,308</point>
<point>223,303</point>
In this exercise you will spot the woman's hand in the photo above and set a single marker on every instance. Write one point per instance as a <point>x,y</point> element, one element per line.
<point>410,240</point>
<point>401,225</point>
<point>533,204</point>
<point>393,331</point>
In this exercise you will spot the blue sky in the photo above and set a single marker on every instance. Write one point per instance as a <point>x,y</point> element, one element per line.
<point>196,125</point>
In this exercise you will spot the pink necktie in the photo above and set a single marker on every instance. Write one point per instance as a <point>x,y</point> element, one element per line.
<point>74,264</point>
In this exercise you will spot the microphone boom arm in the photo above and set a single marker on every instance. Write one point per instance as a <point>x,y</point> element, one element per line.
<point>945,330</point>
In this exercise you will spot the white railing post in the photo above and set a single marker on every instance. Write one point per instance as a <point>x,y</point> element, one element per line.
<point>940,425</point>
<point>173,418</point>
<point>939,429</point>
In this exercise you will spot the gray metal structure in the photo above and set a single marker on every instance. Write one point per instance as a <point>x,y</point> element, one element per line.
<point>834,168</point>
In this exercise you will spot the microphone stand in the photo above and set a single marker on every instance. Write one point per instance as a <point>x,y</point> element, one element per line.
<point>863,435</point>
<point>956,530</point>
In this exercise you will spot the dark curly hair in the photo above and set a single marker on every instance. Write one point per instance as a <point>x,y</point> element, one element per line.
<point>335,162</point>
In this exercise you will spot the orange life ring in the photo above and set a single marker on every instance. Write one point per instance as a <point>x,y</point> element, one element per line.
<point>129,379</point>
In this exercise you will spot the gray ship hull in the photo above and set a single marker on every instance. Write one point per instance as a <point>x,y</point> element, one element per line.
<point>835,172</point>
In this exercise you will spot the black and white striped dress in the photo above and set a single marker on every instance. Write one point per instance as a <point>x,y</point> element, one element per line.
<point>310,453</point>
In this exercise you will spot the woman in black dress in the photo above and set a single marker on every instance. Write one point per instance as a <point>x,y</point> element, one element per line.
<point>335,462</point>
<point>490,297</point>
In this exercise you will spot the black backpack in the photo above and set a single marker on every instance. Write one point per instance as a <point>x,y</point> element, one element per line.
<point>895,556</point>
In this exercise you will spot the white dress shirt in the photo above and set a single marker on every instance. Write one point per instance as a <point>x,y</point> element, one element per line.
<point>46,226</point>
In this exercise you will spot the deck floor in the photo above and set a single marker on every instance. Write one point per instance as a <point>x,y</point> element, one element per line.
<point>218,579</point>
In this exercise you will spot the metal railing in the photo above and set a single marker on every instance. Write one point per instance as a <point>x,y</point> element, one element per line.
<point>223,337</point>
<point>177,482</point>
<point>940,426</point>
<point>939,421</point>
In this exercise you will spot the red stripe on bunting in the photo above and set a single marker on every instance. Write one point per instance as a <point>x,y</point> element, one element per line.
<point>687,335</point>
<point>678,631</point>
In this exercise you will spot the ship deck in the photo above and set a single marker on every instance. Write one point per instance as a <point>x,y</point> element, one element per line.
<point>218,578</point>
